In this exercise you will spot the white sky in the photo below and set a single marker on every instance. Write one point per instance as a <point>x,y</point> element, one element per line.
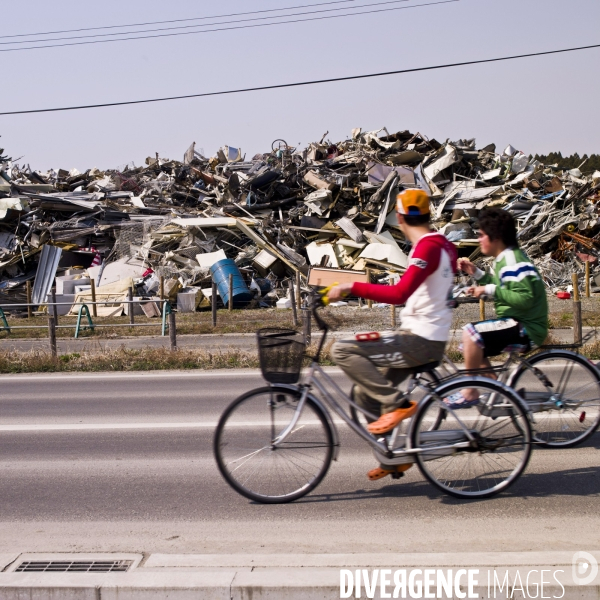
<point>536,104</point>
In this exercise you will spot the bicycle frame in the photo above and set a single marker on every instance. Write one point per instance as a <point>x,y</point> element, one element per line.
<point>550,400</point>
<point>384,450</point>
<point>387,451</point>
<point>450,446</point>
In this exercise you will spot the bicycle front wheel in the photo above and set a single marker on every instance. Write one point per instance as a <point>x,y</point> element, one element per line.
<point>567,411</point>
<point>472,452</point>
<point>254,463</point>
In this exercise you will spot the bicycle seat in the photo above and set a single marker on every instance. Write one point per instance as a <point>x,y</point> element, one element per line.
<point>432,366</point>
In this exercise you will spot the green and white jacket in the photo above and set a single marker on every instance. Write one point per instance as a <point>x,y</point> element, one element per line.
<point>518,292</point>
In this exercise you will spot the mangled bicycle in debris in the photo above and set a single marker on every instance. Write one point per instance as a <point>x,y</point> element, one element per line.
<point>275,444</point>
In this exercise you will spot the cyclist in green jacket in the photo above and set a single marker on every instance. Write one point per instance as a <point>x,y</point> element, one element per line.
<point>519,296</point>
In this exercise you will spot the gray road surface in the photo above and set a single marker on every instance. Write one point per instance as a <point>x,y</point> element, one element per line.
<point>124,462</point>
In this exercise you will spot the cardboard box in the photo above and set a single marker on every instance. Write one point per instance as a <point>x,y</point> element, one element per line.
<point>188,299</point>
<point>319,276</point>
<point>62,309</point>
<point>264,262</point>
<point>66,284</point>
<point>150,308</point>
<point>137,309</point>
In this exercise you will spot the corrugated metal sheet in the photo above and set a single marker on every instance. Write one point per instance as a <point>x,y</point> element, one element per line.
<point>46,272</point>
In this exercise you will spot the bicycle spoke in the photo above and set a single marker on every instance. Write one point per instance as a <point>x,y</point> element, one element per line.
<point>569,412</point>
<point>496,454</point>
<point>247,456</point>
<point>269,472</point>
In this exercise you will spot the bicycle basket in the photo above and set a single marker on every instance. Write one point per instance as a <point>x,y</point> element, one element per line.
<point>280,352</point>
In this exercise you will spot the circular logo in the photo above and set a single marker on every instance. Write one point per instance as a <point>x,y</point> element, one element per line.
<point>585,568</point>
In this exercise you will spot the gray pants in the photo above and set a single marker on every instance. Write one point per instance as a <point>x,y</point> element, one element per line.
<point>378,367</point>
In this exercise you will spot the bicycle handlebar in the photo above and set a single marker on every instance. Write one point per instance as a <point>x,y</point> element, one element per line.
<point>315,305</point>
<point>316,302</point>
<point>469,299</point>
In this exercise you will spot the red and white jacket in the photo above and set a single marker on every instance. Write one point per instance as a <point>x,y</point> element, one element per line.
<point>425,288</point>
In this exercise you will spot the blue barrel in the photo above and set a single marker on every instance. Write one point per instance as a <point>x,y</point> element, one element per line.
<point>220,272</point>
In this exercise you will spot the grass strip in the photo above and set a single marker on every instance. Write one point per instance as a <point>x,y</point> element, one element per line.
<point>160,359</point>
<point>131,359</point>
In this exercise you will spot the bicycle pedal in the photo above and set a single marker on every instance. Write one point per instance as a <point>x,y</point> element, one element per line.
<point>397,475</point>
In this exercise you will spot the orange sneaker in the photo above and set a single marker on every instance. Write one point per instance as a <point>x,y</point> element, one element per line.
<point>388,421</point>
<point>379,472</point>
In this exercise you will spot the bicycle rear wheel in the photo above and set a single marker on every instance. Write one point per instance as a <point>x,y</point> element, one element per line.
<point>487,459</point>
<point>567,412</point>
<point>256,467</point>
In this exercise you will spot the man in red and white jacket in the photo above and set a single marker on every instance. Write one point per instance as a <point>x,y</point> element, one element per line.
<point>425,289</point>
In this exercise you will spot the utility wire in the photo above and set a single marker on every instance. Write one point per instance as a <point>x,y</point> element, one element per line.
<point>162,35</point>
<point>253,12</point>
<point>303,83</point>
<point>104,35</point>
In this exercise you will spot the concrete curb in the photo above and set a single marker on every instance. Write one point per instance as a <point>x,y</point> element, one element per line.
<point>298,576</point>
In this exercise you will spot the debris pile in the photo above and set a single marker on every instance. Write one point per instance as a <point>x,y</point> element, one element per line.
<point>327,206</point>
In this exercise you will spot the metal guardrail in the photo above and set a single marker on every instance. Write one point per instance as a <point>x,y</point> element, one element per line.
<point>167,322</point>
<point>164,312</point>
<point>3,317</point>
<point>83,308</point>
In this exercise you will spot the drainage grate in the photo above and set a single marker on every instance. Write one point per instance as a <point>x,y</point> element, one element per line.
<point>74,566</point>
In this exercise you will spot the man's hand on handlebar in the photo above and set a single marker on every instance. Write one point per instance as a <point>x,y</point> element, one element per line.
<point>339,292</point>
<point>476,291</point>
<point>464,264</point>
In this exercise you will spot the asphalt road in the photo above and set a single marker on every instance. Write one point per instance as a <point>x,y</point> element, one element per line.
<point>124,463</point>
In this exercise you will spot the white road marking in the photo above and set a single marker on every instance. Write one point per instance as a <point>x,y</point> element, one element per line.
<point>124,426</point>
<point>64,377</point>
<point>104,426</point>
<point>22,427</point>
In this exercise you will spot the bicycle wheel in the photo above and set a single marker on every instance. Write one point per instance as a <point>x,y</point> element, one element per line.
<point>568,412</point>
<point>487,459</point>
<point>256,467</point>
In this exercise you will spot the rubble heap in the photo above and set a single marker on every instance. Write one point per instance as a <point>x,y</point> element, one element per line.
<point>330,205</point>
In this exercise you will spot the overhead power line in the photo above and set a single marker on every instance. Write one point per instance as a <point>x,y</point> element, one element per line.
<point>304,83</point>
<point>179,27</point>
<point>252,12</point>
<point>162,35</point>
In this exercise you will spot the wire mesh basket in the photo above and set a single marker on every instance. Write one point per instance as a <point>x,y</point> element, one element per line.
<point>281,352</point>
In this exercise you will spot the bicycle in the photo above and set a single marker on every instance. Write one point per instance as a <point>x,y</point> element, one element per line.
<point>275,444</point>
<point>560,388</point>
